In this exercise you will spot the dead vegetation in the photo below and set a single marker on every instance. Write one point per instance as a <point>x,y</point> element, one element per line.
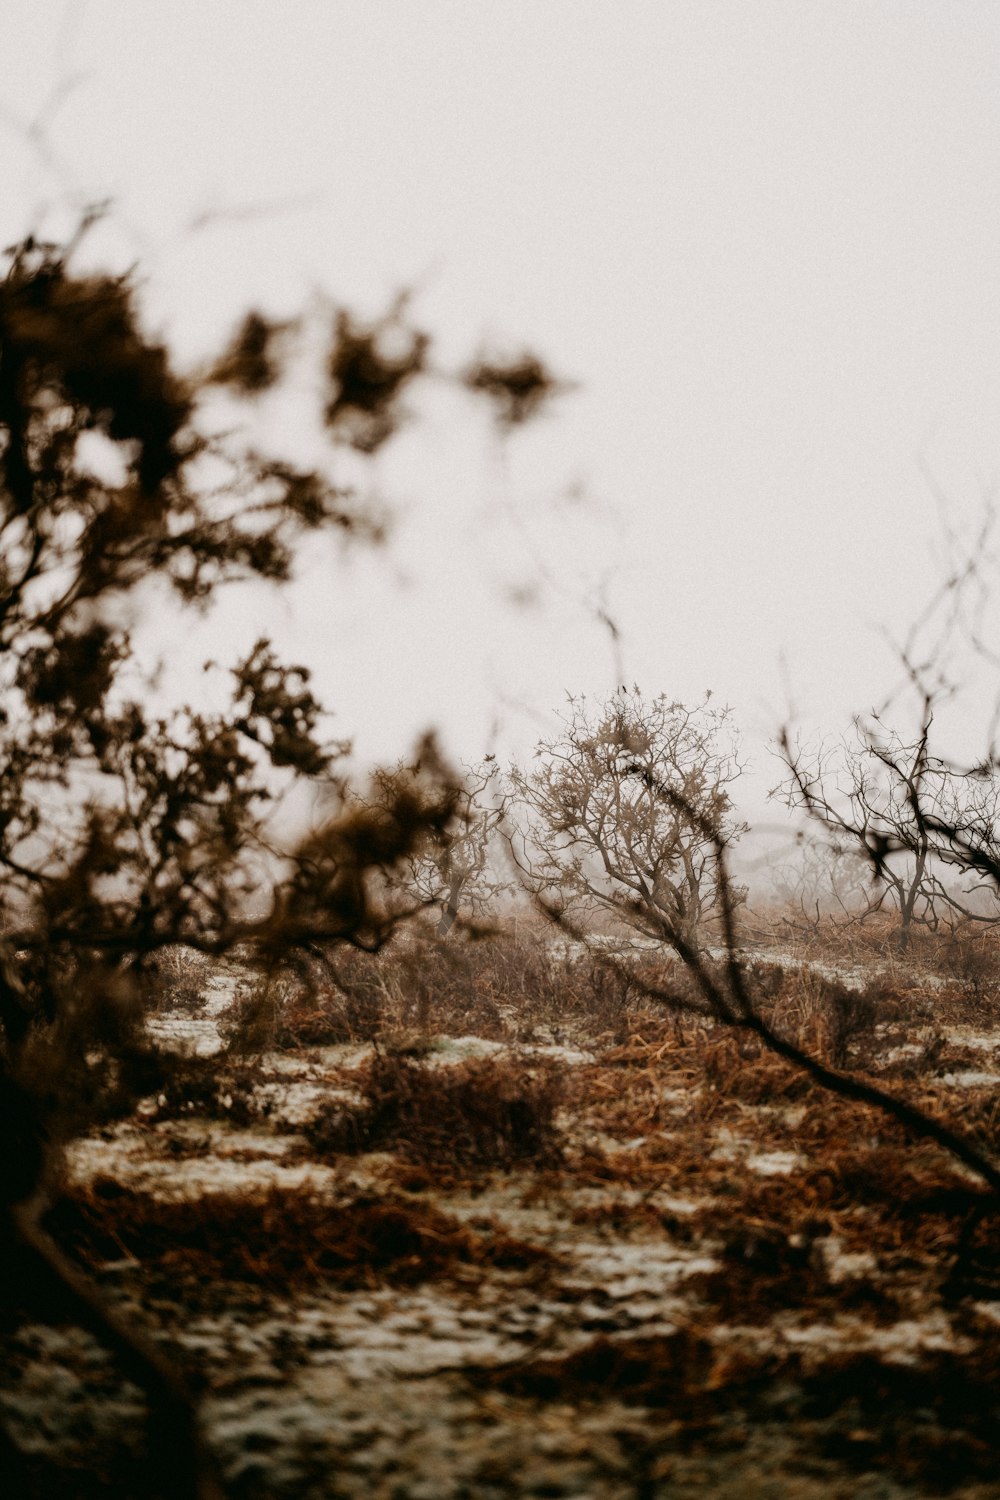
<point>208,1089</point>
<point>115,903</point>
<point>827,1280</point>
<point>480,1115</point>
<point>281,1241</point>
<point>932,1424</point>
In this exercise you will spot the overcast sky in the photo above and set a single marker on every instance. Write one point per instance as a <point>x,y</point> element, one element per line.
<point>762,235</point>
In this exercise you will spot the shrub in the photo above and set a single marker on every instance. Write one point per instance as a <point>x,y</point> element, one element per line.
<point>478,1114</point>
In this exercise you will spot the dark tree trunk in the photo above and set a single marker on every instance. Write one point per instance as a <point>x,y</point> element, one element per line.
<point>449,914</point>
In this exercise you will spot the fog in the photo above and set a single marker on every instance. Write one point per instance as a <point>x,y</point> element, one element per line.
<point>759,240</point>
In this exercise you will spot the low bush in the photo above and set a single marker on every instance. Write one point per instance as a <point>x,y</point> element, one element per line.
<point>478,1114</point>
<point>835,1021</point>
<point>300,1008</point>
<point>970,960</point>
<point>502,986</point>
<point>208,1089</point>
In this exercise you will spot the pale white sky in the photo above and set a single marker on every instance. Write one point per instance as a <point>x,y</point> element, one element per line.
<point>763,236</point>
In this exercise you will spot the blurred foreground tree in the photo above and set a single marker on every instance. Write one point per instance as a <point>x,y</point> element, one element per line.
<point>601,831</point>
<point>124,833</point>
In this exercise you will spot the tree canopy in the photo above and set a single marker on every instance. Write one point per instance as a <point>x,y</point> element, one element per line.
<point>627,804</point>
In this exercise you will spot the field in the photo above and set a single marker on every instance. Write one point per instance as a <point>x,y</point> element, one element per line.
<point>482,1219</point>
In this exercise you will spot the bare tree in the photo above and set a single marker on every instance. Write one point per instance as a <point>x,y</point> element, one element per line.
<point>722,993</point>
<point>453,869</point>
<point>600,831</point>
<point>821,881</point>
<point>905,810</point>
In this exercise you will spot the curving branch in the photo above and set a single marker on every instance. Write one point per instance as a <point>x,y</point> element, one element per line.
<point>725,997</point>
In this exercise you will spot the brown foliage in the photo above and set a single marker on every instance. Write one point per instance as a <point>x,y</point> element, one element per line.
<point>499,985</point>
<point>518,388</point>
<point>288,1238</point>
<point>932,1423</point>
<point>369,367</point>
<point>481,1114</point>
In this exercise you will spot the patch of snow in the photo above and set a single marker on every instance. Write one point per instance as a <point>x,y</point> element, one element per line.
<point>902,1051</point>
<point>730,1146</point>
<point>198,1035</point>
<point>985,1041</point>
<point>253,1143</point>
<point>727,1144</point>
<point>459,1048</point>
<point>840,1265</point>
<point>849,976</point>
<point>680,1206</point>
<point>448,1050</point>
<point>970,1078</point>
<point>899,1343</point>
<point>194,1036</point>
<point>774,1163</point>
<point>342,1055</point>
<point>50,1409</point>
<point>569,949</point>
<point>295,1104</point>
<point>131,1162</point>
<point>623,1270</point>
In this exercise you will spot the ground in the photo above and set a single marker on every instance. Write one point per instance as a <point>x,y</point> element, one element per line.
<point>583,1253</point>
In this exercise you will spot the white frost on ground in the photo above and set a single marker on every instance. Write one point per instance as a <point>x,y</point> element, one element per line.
<point>294,1104</point>
<point>899,1343</point>
<point>633,1285</point>
<point>840,1265</point>
<point>986,1041</point>
<point>442,1051</point>
<point>194,1036</point>
<point>774,1163</point>
<point>363,1382</point>
<point>51,1409</point>
<point>969,1078</point>
<point>197,1035</point>
<point>246,1161</point>
<point>730,1146</point>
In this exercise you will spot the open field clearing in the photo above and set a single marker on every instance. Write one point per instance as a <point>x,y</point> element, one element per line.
<point>579,1250</point>
<point>499,751</point>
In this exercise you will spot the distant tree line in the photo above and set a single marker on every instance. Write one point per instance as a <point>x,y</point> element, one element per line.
<point>586,824</point>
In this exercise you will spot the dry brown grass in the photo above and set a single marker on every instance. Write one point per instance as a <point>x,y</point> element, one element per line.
<point>932,1424</point>
<point>691,1104</point>
<point>209,1088</point>
<point>513,985</point>
<point>502,986</point>
<point>690,1115</point>
<point>966,956</point>
<point>482,1114</point>
<point>282,1240</point>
